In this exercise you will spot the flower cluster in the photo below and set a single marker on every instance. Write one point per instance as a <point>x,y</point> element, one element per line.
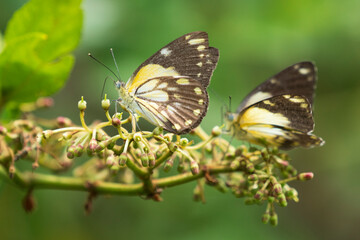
<point>129,162</point>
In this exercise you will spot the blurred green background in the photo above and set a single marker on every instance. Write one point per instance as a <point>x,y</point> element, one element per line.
<point>256,40</point>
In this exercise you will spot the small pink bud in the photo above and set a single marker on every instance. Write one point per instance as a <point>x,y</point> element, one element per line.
<point>305,176</point>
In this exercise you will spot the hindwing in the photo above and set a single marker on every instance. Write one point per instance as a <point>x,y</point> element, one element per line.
<point>178,104</point>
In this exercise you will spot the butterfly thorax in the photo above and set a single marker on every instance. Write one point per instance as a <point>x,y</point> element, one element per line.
<point>126,99</point>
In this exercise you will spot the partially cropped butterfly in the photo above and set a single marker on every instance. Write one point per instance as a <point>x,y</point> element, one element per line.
<point>279,111</point>
<point>169,88</point>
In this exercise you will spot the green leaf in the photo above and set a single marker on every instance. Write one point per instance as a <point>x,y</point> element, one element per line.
<point>60,20</point>
<point>36,56</point>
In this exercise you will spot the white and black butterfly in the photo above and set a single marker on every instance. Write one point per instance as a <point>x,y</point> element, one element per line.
<point>169,88</point>
<point>279,111</point>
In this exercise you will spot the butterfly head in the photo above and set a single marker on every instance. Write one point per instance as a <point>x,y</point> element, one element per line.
<point>230,119</point>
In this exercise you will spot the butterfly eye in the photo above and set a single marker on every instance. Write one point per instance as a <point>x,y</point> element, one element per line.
<point>230,116</point>
<point>118,84</point>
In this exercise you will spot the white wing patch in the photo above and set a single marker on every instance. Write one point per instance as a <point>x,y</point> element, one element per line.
<point>156,95</point>
<point>165,51</point>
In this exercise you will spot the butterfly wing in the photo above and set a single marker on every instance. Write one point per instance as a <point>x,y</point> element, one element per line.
<point>285,121</point>
<point>189,55</point>
<point>178,104</point>
<point>298,79</point>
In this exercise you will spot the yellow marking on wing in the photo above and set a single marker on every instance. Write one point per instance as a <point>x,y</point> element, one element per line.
<point>147,72</point>
<point>286,96</point>
<point>187,37</point>
<point>196,112</point>
<point>196,41</point>
<point>201,101</point>
<point>269,103</point>
<point>304,105</point>
<point>199,64</point>
<point>188,122</point>
<point>201,48</point>
<point>176,126</point>
<point>198,91</point>
<point>177,96</point>
<point>182,81</point>
<point>304,71</point>
<point>255,115</point>
<point>296,99</point>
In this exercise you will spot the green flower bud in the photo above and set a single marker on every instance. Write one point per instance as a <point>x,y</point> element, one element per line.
<point>305,176</point>
<point>277,188</point>
<point>168,165</point>
<point>194,167</point>
<point>114,168</point>
<point>63,122</point>
<point>105,104</point>
<point>271,199</point>
<point>110,161</point>
<point>249,201</point>
<point>137,137</point>
<point>216,131</point>
<point>184,142</point>
<point>116,122</point>
<point>123,159</point>
<point>158,131</point>
<point>250,167</point>
<point>144,160</point>
<point>274,219</point>
<point>93,145</point>
<point>265,218</point>
<point>82,104</point>
<point>282,200</point>
<point>172,147</point>
<point>70,155</point>
<point>79,150</point>
<point>235,164</point>
<point>259,195</point>
<point>151,159</point>
<point>253,178</point>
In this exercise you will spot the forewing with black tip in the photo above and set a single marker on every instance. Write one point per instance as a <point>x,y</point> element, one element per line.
<point>189,55</point>
<point>298,79</point>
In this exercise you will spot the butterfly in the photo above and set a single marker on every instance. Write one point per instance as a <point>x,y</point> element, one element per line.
<point>279,111</point>
<point>169,88</point>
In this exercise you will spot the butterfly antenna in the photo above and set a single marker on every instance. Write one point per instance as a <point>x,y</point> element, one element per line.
<point>229,103</point>
<point>221,99</point>
<point>117,68</point>
<point>90,55</point>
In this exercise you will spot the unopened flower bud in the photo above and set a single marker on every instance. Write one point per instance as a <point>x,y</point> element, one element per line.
<point>63,122</point>
<point>44,102</point>
<point>265,218</point>
<point>110,160</point>
<point>82,104</point>
<point>151,159</point>
<point>172,147</point>
<point>105,104</point>
<point>157,131</point>
<point>194,167</point>
<point>305,176</point>
<point>282,200</point>
<point>168,165</point>
<point>114,168</point>
<point>235,164</point>
<point>79,150</point>
<point>274,219</point>
<point>137,137</point>
<point>271,199</point>
<point>216,131</point>
<point>250,167</point>
<point>93,145</point>
<point>123,159</point>
<point>116,122</point>
<point>249,201</point>
<point>70,155</point>
<point>277,188</point>
<point>184,142</point>
<point>259,195</point>
<point>253,178</point>
<point>144,160</point>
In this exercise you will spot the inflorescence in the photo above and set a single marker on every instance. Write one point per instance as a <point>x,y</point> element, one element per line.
<point>128,163</point>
